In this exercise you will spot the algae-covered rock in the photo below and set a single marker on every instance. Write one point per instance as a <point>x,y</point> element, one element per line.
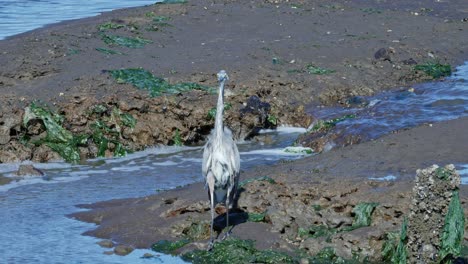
<point>168,247</point>
<point>236,251</point>
<point>436,219</point>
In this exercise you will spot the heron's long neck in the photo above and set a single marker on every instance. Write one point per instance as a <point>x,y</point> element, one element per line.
<point>219,112</point>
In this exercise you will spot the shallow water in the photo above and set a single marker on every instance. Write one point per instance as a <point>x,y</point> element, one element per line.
<point>18,16</point>
<point>394,110</point>
<point>34,228</point>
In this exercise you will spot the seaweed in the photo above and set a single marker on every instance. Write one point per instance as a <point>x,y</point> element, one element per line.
<point>312,69</point>
<point>236,251</point>
<point>125,41</point>
<point>256,217</point>
<point>452,236</point>
<point>362,214</point>
<point>401,254</point>
<point>109,25</point>
<point>328,124</point>
<point>434,69</point>
<point>390,245</point>
<point>168,247</point>
<point>58,138</point>
<point>327,256</point>
<point>212,113</point>
<point>299,150</point>
<point>198,230</point>
<point>263,178</point>
<point>109,51</point>
<point>103,135</point>
<point>272,119</point>
<point>177,139</point>
<point>316,231</point>
<point>442,173</point>
<point>370,10</point>
<point>156,86</point>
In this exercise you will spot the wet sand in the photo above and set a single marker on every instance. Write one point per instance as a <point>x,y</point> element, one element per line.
<point>266,48</point>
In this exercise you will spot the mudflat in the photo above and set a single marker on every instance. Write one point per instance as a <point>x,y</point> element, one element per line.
<point>288,55</point>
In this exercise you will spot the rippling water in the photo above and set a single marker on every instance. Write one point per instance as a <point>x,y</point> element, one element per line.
<point>394,110</point>
<point>18,16</point>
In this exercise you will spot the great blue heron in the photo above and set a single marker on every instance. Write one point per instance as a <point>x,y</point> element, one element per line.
<point>221,161</point>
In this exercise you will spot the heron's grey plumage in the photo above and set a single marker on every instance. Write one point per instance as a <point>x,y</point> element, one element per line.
<point>221,160</point>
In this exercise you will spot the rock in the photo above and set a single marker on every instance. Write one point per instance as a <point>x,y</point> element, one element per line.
<point>28,170</point>
<point>106,243</point>
<point>43,154</point>
<point>5,180</point>
<point>4,135</point>
<point>148,255</point>
<point>123,250</point>
<point>382,54</point>
<point>409,61</point>
<point>14,152</point>
<point>431,197</point>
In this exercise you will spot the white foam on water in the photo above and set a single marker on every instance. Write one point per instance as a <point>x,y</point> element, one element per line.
<point>385,178</point>
<point>159,150</point>
<point>271,152</point>
<point>22,181</point>
<point>131,168</point>
<point>13,167</point>
<point>165,163</point>
<point>284,130</point>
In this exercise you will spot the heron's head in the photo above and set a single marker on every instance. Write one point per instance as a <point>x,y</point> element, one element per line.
<point>222,76</point>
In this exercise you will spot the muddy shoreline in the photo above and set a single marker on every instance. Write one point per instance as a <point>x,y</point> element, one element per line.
<point>283,58</point>
<point>290,55</point>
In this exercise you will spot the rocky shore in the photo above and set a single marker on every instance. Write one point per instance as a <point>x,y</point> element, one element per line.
<point>139,77</point>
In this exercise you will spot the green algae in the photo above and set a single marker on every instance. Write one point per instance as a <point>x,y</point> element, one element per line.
<point>272,119</point>
<point>168,247</point>
<point>313,69</point>
<point>263,178</point>
<point>256,217</point>
<point>328,124</point>
<point>299,150</point>
<point>109,51</point>
<point>390,245</point>
<point>434,69</point>
<point>212,113</point>
<point>109,25</point>
<point>233,250</point>
<point>128,42</point>
<point>362,214</point>
<point>443,173</point>
<point>177,138</point>
<point>452,237</point>
<point>144,80</point>
<point>58,138</point>
<point>401,253</point>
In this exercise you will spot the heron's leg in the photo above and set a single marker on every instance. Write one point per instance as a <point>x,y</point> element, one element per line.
<point>211,190</point>
<point>228,232</point>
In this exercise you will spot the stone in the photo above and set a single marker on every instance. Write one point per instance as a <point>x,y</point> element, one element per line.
<point>28,170</point>
<point>431,197</point>
<point>106,243</point>
<point>123,250</point>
